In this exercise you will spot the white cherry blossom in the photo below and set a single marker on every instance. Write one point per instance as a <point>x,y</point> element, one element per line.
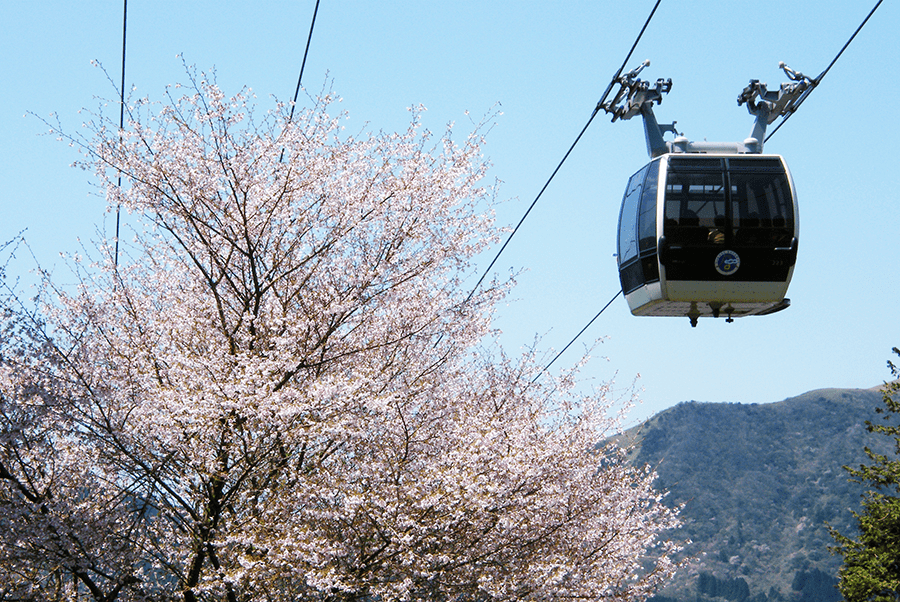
<point>279,393</point>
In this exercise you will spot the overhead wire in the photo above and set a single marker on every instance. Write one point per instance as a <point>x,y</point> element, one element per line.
<point>122,100</point>
<point>575,338</point>
<point>568,152</point>
<point>121,121</point>
<point>312,25</point>
<point>596,110</point>
<point>816,80</point>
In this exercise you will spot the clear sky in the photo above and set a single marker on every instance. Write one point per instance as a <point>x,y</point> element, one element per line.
<point>546,64</point>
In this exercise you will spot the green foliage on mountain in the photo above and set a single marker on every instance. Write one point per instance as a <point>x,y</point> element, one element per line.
<point>760,484</point>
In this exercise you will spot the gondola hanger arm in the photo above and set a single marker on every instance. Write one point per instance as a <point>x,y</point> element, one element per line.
<point>637,97</point>
<point>768,105</point>
<point>777,103</point>
<point>634,93</point>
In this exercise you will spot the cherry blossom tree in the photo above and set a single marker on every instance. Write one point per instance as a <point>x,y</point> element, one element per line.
<point>277,391</point>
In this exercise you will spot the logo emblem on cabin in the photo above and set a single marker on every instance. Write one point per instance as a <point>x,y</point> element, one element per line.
<point>727,263</point>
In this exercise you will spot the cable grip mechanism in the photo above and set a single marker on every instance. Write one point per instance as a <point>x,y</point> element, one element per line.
<point>634,93</point>
<point>772,104</point>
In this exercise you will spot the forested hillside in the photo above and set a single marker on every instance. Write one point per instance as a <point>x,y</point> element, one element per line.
<point>759,484</point>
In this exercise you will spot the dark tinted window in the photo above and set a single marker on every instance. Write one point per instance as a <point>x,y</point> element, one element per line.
<point>764,164</point>
<point>762,208</point>
<point>631,277</point>
<point>647,217</point>
<point>749,204</point>
<point>695,207</point>
<point>628,247</point>
<point>695,163</point>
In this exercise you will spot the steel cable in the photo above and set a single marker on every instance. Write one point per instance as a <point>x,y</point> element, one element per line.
<point>566,156</point>
<point>816,80</point>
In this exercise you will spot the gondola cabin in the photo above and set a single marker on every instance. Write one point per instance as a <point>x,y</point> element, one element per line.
<point>708,235</point>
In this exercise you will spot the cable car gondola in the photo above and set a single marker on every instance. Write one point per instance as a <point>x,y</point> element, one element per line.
<point>708,235</point>
<point>707,229</point>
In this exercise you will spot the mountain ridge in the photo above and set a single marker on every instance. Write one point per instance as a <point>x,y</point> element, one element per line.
<point>759,485</point>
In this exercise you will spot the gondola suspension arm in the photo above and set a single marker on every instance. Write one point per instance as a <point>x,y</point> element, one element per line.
<point>637,97</point>
<point>768,105</point>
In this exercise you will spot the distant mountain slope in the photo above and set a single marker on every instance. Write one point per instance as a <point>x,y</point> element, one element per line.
<point>758,483</point>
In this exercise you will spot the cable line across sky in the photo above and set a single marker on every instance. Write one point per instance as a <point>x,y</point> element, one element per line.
<point>121,117</point>
<point>568,152</point>
<point>302,67</point>
<point>816,80</point>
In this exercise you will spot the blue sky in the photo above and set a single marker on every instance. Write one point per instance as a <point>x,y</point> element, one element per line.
<point>546,64</point>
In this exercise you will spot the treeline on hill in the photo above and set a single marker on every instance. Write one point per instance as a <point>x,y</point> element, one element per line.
<point>760,484</point>
<point>807,586</point>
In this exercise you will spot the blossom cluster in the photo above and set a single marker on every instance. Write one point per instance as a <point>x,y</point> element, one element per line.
<point>278,390</point>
